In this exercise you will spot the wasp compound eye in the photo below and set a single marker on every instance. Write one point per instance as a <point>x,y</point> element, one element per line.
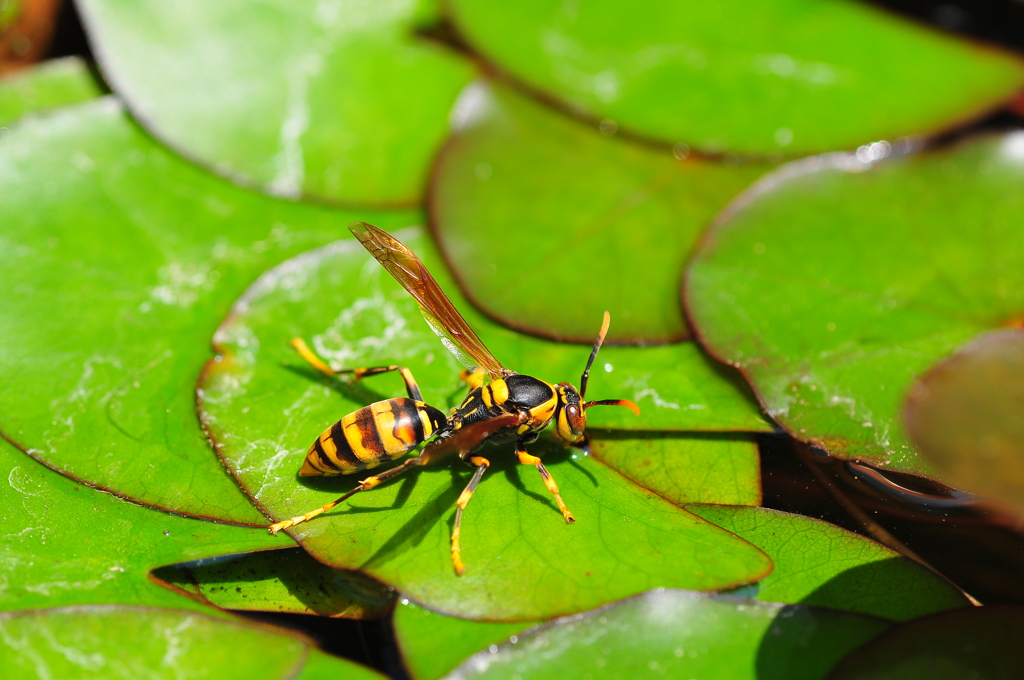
<point>575,418</point>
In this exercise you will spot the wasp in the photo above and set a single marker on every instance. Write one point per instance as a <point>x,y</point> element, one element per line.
<point>502,407</point>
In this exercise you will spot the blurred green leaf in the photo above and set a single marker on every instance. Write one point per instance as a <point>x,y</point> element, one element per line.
<point>685,467</point>
<point>981,643</point>
<point>967,416</point>
<point>119,261</point>
<point>51,84</point>
<point>9,11</point>
<point>839,282</point>
<point>117,642</point>
<point>264,406</point>
<point>334,100</point>
<point>679,634</point>
<point>64,544</point>
<point>282,581</point>
<point>820,564</point>
<point>608,225</point>
<point>793,76</point>
<point>432,644</point>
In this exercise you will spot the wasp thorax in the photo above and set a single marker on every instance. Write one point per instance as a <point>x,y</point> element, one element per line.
<point>571,420</point>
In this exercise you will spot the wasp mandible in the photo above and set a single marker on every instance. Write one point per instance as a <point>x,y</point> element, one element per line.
<point>503,407</point>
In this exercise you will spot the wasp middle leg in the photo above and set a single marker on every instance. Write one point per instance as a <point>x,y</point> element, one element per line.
<point>357,373</point>
<point>481,466</point>
<point>527,459</point>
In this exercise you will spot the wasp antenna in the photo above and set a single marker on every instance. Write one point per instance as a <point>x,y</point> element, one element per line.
<point>593,354</point>
<point>614,402</point>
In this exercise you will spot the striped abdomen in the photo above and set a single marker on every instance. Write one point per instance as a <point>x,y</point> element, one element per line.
<point>372,435</point>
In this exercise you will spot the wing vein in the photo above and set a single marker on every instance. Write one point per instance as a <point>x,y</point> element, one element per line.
<point>441,315</point>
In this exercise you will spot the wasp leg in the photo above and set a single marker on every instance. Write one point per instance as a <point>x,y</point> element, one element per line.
<point>526,459</point>
<point>481,466</point>
<point>473,379</point>
<point>365,485</point>
<point>358,373</point>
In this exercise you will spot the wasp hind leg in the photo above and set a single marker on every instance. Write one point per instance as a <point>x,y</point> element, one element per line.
<point>526,459</point>
<point>365,485</point>
<point>357,373</point>
<point>481,466</point>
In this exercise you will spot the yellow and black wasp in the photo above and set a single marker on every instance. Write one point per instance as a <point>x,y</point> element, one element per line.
<point>509,408</point>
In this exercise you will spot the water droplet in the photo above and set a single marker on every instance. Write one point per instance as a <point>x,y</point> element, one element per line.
<point>875,151</point>
<point>783,136</point>
<point>1013,146</point>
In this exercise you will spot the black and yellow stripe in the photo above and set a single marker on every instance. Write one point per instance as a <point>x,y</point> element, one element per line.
<point>494,393</point>
<point>364,439</point>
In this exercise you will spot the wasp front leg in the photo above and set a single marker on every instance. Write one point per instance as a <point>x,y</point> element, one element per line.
<point>527,459</point>
<point>357,373</point>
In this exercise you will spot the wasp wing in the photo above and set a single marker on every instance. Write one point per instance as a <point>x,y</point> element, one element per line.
<point>438,310</point>
<point>468,437</point>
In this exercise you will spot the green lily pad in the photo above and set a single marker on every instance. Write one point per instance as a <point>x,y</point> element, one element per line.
<point>965,416</point>
<point>608,225</point>
<point>678,387</point>
<point>119,261</point>
<point>282,581</point>
<point>65,544</point>
<point>49,85</point>
<point>432,644</point>
<point>982,643</point>
<point>839,283</point>
<point>114,642</point>
<point>679,634</point>
<point>818,563</point>
<point>794,76</point>
<point>263,406</point>
<point>686,467</point>
<point>339,101</point>
<point>322,666</point>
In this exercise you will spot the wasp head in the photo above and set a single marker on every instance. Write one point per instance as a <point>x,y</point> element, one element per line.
<point>571,416</point>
